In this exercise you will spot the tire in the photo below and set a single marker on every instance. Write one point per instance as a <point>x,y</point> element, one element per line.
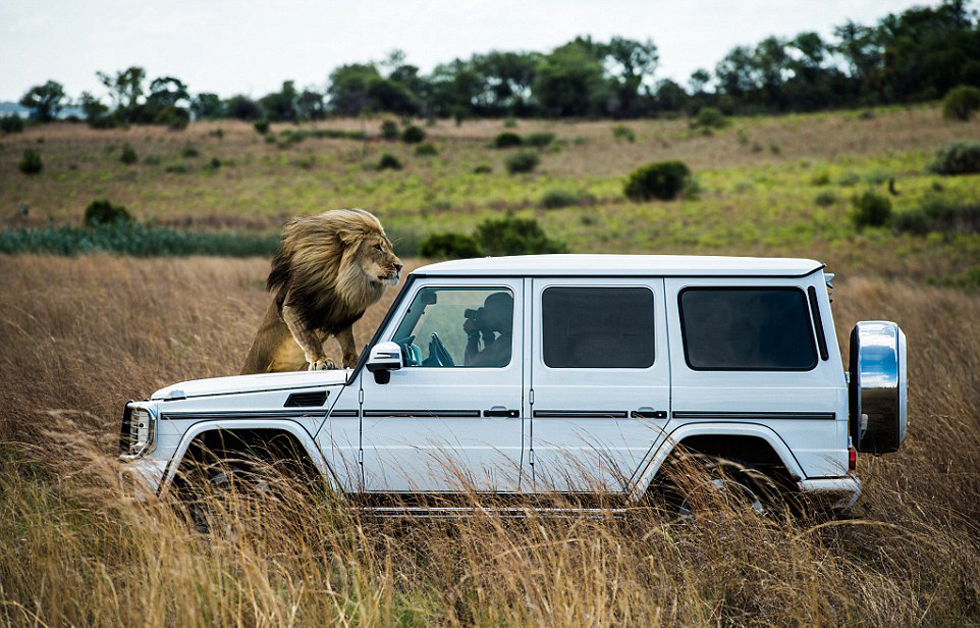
<point>730,483</point>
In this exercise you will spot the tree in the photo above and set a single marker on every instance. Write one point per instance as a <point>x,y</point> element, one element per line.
<point>310,105</point>
<point>281,106</point>
<point>570,81</point>
<point>167,91</point>
<point>630,62</point>
<point>242,107</point>
<point>349,84</point>
<point>125,88</point>
<point>207,106</point>
<point>45,101</point>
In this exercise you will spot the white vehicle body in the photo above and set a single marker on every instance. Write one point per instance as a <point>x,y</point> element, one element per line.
<point>594,418</point>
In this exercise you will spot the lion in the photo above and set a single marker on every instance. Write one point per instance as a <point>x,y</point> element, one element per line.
<point>328,270</point>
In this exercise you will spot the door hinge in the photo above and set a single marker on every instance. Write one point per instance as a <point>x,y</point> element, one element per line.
<point>360,457</point>
<point>360,396</point>
<point>530,396</point>
<point>530,457</point>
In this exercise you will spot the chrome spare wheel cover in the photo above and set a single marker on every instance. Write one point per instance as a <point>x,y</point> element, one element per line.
<point>879,386</point>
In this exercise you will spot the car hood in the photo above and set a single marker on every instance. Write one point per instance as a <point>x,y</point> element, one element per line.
<point>251,383</point>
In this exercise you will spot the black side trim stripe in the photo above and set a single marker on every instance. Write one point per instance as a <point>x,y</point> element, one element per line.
<point>344,414</point>
<point>755,416</point>
<point>422,414</point>
<point>271,414</point>
<point>580,414</point>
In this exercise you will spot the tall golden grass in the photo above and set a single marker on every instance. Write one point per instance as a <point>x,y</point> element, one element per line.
<point>78,337</point>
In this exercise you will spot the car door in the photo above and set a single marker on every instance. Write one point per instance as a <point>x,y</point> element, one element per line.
<point>600,380</point>
<point>451,418</point>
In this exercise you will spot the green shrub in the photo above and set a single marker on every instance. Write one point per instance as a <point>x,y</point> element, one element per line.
<point>510,122</point>
<point>261,126</point>
<point>958,158</point>
<point>539,140</point>
<point>176,169</point>
<point>848,179</point>
<point>151,160</point>
<point>507,139</point>
<point>622,132</point>
<point>709,118</point>
<point>825,198</point>
<point>449,246</point>
<point>871,210</point>
<point>960,102</point>
<point>413,134</point>
<point>215,163</point>
<point>389,130</point>
<point>820,178</point>
<point>426,150</point>
<point>218,133</point>
<point>877,177</point>
<point>556,198</point>
<point>128,155</point>
<point>915,222</point>
<point>524,161</point>
<point>515,236</point>
<point>102,212</point>
<point>11,124</point>
<point>30,162</point>
<point>482,169</point>
<point>189,152</point>
<point>663,180</point>
<point>389,162</point>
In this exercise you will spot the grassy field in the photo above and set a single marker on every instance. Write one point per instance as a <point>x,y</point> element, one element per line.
<point>79,336</point>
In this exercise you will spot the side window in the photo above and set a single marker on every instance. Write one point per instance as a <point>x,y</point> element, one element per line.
<point>458,327</point>
<point>597,327</point>
<point>746,329</point>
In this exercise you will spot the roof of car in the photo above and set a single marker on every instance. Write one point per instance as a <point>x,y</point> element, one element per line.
<point>624,265</point>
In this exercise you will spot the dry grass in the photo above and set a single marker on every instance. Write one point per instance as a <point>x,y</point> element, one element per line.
<point>78,337</point>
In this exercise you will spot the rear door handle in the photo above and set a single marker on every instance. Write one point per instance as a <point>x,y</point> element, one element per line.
<point>500,411</point>
<point>648,413</point>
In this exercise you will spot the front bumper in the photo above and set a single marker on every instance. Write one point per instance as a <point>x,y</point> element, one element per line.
<point>834,493</point>
<point>142,477</point>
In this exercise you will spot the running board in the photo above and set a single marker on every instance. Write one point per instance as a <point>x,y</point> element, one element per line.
<point>457,512</point>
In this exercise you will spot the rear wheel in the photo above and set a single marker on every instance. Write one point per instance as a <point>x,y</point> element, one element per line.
<point>694,484</point>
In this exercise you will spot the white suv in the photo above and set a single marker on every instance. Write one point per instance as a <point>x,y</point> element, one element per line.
<point>568,374</point>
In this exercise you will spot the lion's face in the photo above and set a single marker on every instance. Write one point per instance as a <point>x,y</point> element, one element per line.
<point>377,259</point>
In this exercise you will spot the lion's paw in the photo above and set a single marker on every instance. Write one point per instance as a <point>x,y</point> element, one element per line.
<point>322,365</point>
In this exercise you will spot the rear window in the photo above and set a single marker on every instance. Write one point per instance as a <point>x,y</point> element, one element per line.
<point>746,329</point>
<point>597,327</point>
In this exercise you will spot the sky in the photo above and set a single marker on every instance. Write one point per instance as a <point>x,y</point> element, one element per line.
<point>250,47</point>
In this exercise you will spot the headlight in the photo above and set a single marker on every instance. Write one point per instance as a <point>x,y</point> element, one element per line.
<point>137,431</point>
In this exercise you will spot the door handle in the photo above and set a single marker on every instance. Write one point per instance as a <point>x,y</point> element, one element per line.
<point>500,411</point>
<point>648,413</point>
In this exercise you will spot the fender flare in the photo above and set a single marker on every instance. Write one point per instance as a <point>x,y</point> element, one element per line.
<point>715,428</point>
<point>290,427</point>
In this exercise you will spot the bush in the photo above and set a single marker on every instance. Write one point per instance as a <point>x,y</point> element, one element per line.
<point>152,160</point>
<point>510,122</point>
<point>215,163</point>
<point>556,198</point>
<point>389,162</point>
<point>482,169</point>
<point>663,180</point>
<point>825,198</point>
<point>848,179</point>
<point>914,221</point>
<point>871,210</point>
<point>709,118</point>
<point>515,236</point>
<point>11,124</point>
<point>449,246</point>
<point>507,139</point>
<point>621,132</point>
<point>958,158</point>
<point>820,178</point>
<point>102,212</point>
<point>960,103</point>
<point>521,162</point>
<point>426,150</point>
<point>413,134</point>
<point>30,162</point>
<point>389,130</point>
<point>261,126</point>
<point>539,140</point>
<point>128,155</point>
<point>189,152</point>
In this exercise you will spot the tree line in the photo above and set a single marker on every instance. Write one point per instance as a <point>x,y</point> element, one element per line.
<point>913,56</point>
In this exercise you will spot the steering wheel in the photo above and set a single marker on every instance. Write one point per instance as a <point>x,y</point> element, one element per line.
<point>439,353</point>
<point>410,353</point>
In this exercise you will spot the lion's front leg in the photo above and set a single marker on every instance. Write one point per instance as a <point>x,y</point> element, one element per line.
<point>346,339</point>
<point>307,339</point>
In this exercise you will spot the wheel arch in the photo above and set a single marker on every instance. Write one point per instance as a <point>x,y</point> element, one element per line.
<point>699,436</point>
<point>207,429</point>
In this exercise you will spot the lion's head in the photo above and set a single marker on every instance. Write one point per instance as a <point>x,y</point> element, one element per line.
<point>333,264</point>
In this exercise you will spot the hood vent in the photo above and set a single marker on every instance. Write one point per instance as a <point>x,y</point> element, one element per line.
<point>306,399</point>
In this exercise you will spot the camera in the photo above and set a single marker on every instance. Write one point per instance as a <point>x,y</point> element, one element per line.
<point>474,315</point>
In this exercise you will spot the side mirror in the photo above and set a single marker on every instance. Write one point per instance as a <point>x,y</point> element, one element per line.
<point>385,357</point>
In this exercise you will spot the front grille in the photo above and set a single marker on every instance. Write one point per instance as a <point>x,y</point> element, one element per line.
<point>136,432</point>
<point>125,435</point>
